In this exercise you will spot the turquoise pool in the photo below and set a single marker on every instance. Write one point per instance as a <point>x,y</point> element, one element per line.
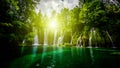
<point>63,57</point>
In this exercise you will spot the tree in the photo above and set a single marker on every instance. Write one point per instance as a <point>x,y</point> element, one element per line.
<point>93,15</point>
<point>63,20</point>
<point>15,22</point>
<point>113,23</point>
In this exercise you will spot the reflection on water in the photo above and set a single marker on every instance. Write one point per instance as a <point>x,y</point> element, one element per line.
<point>62,57</point>
<point>92,56</point>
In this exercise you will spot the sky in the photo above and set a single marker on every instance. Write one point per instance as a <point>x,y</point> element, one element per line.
<point>47,6</point>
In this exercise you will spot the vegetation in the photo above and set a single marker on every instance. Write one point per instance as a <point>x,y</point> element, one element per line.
<point>92,24</point>
<point>16,21</point>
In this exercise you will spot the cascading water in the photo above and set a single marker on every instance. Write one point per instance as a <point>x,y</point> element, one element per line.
<point>72,36</point>
<point>90,42</point>
<point>45,37</point>
<point>23,44</point>
<point>60,40</point>
<point>71,39</point>
<point>110,39</point>
<point>92,37</point>
<point>36,40</point>
<point>94,31</point>
<point>54,40</point>
<point>79,41</point>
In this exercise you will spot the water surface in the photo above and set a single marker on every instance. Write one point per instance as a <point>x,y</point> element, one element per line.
<point>63,57</point>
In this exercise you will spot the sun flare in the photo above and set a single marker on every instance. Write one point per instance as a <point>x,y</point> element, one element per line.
<point>53,24</point>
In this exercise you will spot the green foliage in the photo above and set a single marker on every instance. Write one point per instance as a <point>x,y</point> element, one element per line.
<point>74,23</point>
<point>15,21</point>
<point>93,15</point>
<point>19,21</point>
<point>67,45</point>
<point>63,18</point>
<point>113,23</point>
<point>29,38</point>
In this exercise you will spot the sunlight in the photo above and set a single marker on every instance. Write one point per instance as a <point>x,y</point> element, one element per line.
<point>53,24</point>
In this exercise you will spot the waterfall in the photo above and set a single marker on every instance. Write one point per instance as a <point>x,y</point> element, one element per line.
<point>94,31</point>
<point>90,38</point>
<point>54,39</point>
<point>23,42</point>
<point>90,42</point>
<point>79,41</point>
<point>23,45</point>
<point>93,38</point>
<point>72,36</point>
<point>60,39</point>
<point>71,39</point>
<point>45,37</point>
<point>110,39</point>
<point>36,40</point>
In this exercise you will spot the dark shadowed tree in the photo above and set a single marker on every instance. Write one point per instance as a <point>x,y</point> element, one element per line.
<point>15,20</point>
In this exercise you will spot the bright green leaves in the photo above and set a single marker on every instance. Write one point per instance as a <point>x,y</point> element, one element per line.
<point>63,18</point>
<point>83,14</point>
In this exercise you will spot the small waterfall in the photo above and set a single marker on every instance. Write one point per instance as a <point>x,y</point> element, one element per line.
<point>54,39</point>
<point>94,31</point>
<point>60,39</point>
<point>93,38</point>
<point>71,39</point>
<point>23,42</point>
<point>110,39</point>
<point>90,42</point>
<point>90,38</point>
<point>45,37</point>
<point>36,40</point>
<point>79,41</point>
